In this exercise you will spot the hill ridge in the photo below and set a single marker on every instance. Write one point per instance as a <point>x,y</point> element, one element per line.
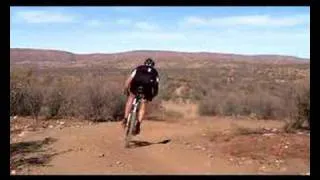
<point>164,58</point>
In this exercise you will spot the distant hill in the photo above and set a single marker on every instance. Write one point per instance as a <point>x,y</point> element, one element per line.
<point>56,58</point>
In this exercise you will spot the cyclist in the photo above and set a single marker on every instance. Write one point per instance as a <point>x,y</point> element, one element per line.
<point>146,76</point>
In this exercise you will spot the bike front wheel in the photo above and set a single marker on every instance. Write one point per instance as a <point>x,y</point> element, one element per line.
<point>130,128</point>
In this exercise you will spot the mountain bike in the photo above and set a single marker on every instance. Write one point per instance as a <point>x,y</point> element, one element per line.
<point>132,117</point>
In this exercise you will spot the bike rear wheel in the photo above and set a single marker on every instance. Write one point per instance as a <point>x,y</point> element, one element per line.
<point>132,119</point>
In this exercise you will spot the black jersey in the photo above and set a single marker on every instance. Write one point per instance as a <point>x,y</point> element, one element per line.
<point>147,77</point>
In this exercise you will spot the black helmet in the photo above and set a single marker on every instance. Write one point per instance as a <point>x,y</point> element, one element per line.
<point>149,62</point>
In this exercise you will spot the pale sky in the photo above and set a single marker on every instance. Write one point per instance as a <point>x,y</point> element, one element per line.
<point>241,30</point>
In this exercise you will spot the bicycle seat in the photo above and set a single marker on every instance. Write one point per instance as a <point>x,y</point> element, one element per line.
<point>140,89</point>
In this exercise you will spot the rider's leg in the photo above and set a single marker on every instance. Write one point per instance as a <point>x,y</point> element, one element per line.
<point>140,115</point>
<point>128,107</point>
<point>147,98</point>
<point>142,111</point>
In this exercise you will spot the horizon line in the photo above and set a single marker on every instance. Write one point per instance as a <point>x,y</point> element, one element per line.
<point>178,51</point>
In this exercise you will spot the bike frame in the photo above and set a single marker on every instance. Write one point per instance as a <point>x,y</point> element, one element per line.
<point>132,118</point>
<point>135,108</point>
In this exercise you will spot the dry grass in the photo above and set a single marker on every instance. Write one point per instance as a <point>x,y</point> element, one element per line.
<point>95,96</point>
<point>300,117</point>
<point>248,131</point>
<point>261,90</point>
<point>92,98</point>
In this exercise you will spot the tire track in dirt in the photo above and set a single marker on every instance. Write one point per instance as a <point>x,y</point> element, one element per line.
<point>99,149</point>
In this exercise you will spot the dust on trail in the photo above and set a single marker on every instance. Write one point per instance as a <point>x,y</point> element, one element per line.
<point>182,147</point>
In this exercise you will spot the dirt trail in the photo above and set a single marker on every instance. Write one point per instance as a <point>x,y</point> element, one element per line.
<point>161,148</point>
